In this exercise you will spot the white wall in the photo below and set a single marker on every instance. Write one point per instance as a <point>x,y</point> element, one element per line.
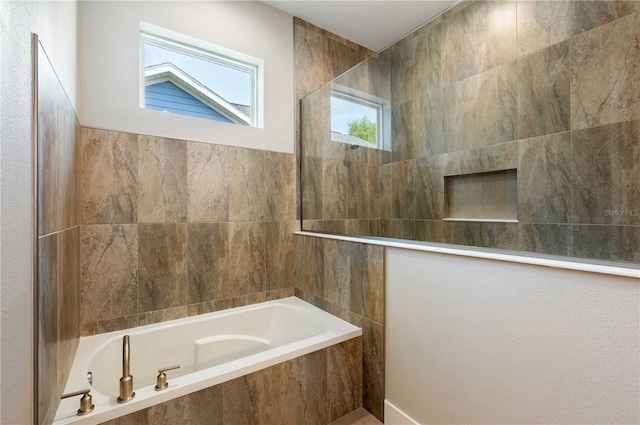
<point>110,60</point>
<point>56,24</point>
<point>482,341</point>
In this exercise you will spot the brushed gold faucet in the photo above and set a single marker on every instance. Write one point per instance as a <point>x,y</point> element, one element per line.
<point>86,405</point>
<point>126,382</point>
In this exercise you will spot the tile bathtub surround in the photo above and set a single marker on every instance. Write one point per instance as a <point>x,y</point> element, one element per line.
<point>347,279</point>
<point>314,389</point>
<point>58,237</point>
<point>546,87</point>
<point>184,228</point>
<point>109,177</point>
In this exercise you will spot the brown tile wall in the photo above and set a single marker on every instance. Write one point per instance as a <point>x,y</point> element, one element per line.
<point>343,278</point>
<point>545,87</point>
<point>314,389</point>
<point>346,279</point>
<point>58,239</point>
<point>173,228</point>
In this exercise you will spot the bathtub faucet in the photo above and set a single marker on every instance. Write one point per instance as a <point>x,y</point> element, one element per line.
<point>126,382</point>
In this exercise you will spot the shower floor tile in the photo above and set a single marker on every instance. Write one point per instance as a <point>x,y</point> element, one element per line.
<point>357,417</point>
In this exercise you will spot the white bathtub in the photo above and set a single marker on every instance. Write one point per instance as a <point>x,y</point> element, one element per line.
<point>210,349</point>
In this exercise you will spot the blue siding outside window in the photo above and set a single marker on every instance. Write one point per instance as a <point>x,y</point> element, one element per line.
<point>166,96</point>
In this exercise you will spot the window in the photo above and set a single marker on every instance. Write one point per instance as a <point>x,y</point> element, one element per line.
<point>359,119</point>
<point>186,76</point>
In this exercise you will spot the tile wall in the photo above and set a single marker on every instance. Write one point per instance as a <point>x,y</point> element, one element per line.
<point>546,87</point>
<point>343,278</point>
<point>314,389</point>
<point>58,239</point>
<point>173,228</point>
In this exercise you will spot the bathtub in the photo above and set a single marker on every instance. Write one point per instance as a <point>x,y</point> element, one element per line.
<point>210,349</point>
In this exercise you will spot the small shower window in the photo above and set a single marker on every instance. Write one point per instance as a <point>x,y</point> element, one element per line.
<point>358,118</point>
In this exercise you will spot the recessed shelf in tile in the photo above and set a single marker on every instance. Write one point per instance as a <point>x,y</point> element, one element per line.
<point>490,196</point>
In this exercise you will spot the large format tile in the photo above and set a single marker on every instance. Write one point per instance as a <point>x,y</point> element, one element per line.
<point>402,131</point>
<point>617,243</point>
<point>247,258</point>
<point>68,300</point>
<point>429,191</point>
<point>458,46</point>
<point>427,125</point>
<point>428,230</point>
<point>542,23</point>
<point>402,70</point>
<point>309,261</point>
<point>495,111</point>
<point>544,180</point>
<point>304,390</point>
<point>109,272</point>
<point>208,182</point>
<point>481,110</point>
<point>315,123</point>
<point>108,177</point>
<point>49,212</point>
<point>553,239</point>
<point>337,272</point>
<point>280,253</point>
<point>48,361</point>
<point>344,378</point>
<point>604,74</point>
<point>605,174</point>
<point>208,250</point>
<point>247,197</point>
<point>544,92</point>
<point>402,190</point>
<point>589,14</point>
<point>311,188</point>
<point>358,191</point>
<point>254,399</point>
<point>68,133</point>
<point>162,180</point>
<point>374,198</point>
<point>162,266</point>
<point>279,184</point>
<point>309,64</point>
<point>366,284</point>
<point>335,194</point>
<point>427,63</point>
<point>199,408</point>
<point>372,366</point>
<point>137,418</point>
<point>495,33</point>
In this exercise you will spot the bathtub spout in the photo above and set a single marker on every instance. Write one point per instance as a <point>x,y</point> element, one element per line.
<point>126,382</point>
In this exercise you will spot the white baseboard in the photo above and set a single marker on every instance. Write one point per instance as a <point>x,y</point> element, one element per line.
<point>395,416</point>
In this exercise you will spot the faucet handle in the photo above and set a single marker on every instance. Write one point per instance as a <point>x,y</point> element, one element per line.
<point>86,404</point>
<point>161,379</point>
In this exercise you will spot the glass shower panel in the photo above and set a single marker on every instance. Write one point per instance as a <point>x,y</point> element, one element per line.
<point>501,154</point>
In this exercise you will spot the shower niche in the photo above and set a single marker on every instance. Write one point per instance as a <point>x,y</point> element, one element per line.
<point>491,196</point>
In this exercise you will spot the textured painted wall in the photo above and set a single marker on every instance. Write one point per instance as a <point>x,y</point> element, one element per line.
<point>109,95</point>
<point>483,341</point>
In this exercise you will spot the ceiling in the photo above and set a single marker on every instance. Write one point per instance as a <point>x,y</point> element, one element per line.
<point>374,24</point>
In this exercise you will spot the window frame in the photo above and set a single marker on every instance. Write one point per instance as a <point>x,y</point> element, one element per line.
<point>381,106</point>
<point>185,45</point>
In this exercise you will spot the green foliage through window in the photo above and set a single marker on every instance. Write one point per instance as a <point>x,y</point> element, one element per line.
<point>363,128</point>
